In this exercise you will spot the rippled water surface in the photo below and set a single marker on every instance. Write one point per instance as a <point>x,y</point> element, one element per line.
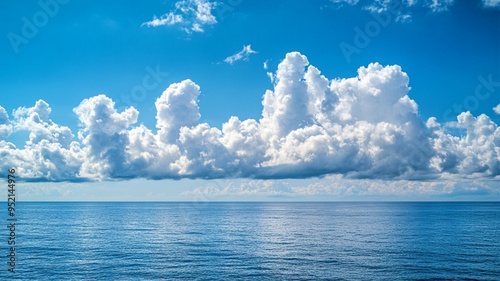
<point>256,241</point>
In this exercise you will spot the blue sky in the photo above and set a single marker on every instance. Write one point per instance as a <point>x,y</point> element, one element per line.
<point>443,55</point>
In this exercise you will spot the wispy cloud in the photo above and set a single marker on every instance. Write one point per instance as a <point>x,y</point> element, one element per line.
<point>189,15</point>
<point>244,54</point>
<point>440,5</point>
<point>403,9</point>
<point>384,5</point>
<point>491,3</point>
<point>167,19</point>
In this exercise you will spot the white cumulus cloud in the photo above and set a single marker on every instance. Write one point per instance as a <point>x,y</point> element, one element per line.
<point>50,153</point>
<point>362,127</point>
<point>5,127</point>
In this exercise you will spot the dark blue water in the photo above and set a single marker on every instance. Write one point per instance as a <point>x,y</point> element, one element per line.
<point>256,241</point>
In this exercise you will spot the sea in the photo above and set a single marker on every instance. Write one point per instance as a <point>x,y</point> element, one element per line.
<point>254,241</point>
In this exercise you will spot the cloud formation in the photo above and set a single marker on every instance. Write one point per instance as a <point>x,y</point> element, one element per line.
<point>5,127</point>
<point>241,55</point>
<point>384,5</point>
<point>404,8</point>
<point>50,152</point>
<point>190,15</point>
<point>363,127</point>
<point>496,109</point>
<point>340,188</point>
<point>491,3</point>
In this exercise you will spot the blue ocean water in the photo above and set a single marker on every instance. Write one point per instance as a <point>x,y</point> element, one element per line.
<point>256,241</point>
